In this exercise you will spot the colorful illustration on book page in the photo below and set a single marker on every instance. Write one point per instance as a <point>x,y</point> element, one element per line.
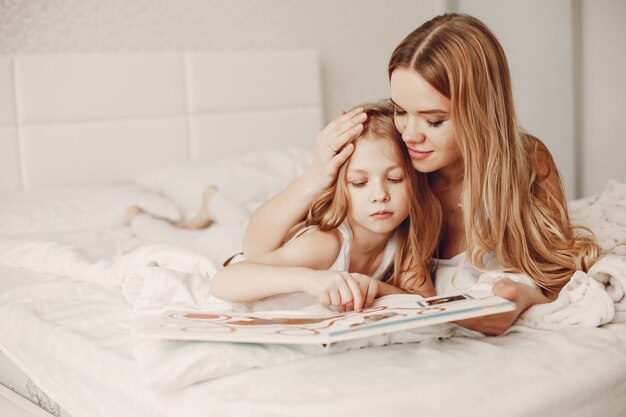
<point>270,324</point>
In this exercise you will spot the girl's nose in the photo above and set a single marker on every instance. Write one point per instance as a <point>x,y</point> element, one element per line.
<point>379,193</point>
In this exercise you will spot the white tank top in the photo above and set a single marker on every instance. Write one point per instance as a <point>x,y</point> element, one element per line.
<point>457,273</point>
<point>342,262</point>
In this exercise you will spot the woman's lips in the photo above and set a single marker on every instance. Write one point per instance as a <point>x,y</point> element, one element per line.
<point>415,154</point>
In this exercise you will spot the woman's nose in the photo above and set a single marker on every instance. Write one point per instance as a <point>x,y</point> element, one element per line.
<point>412,131</point>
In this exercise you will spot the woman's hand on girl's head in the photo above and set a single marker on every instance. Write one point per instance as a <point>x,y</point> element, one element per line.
<point>333,148</point>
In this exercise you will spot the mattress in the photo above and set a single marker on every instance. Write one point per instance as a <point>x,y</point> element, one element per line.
<point>85,363</point>
<point>13,378</point>
<point>73,338</point>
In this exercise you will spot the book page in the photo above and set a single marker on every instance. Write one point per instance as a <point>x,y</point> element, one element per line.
<point>387,314</point>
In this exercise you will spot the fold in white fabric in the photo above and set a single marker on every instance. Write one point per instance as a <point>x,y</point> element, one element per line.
<point>158,277</point>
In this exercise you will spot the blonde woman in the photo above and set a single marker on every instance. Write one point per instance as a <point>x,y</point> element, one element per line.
<point>499,192</point>
<point>363,237</point>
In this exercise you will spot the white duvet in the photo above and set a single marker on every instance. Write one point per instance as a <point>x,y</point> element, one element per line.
<point>155,277</point>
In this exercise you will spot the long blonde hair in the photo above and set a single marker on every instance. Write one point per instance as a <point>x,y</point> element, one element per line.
<point>460,57</point>
<point>417,235</point>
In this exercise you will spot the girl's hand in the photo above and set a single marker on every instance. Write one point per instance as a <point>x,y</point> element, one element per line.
<point>333,148</point>
<point>369,290</point>
<point>524,296</point>
<point>339,288</point>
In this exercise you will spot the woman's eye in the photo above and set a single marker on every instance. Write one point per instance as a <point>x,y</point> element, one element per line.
<point>395,180</point>
<point>359,184</point>
<point>398,112</point>
<point>435,123</point>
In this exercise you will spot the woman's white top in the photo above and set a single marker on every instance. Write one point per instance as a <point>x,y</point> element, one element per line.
<point>457,273</point>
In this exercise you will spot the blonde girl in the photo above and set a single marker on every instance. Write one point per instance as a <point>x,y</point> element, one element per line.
<point>499,192</point>
<point>364,236</point>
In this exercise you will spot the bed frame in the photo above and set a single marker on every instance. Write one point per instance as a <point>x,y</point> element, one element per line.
<point>95,119</point>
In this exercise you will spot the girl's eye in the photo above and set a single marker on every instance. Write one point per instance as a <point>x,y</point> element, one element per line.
<point>395,180</point>
<point>436,123</point>
<point>359,184</point>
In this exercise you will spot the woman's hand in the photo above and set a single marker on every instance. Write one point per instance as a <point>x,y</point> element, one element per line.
<point>348,291</point>
<point>524,297</point>
<point>333,148</point>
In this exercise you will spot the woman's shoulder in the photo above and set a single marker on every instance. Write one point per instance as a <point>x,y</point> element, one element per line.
<point>547,184</point>
<point>540,157</point>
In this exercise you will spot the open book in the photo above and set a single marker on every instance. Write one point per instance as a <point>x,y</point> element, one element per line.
<point>388,314</point>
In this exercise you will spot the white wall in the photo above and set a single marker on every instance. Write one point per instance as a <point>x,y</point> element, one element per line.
<point>537,37</point>
<point>603,98</point>
<point>354,37</point>
<point>578,111</point>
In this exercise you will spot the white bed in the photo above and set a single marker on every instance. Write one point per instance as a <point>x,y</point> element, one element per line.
<point>84,137</point>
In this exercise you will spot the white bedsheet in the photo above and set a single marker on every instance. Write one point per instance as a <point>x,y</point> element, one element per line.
<point>155,277</point>
<point>72,335</point>
<point>74,341</point>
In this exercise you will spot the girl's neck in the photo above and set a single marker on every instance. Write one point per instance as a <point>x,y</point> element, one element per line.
<point>366,246</point>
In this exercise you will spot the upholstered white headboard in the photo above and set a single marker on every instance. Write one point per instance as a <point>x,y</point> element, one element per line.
<point>85,119</point>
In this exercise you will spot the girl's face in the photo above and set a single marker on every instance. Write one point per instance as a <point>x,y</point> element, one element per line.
<point>377,187</point>
<point>422,116</point>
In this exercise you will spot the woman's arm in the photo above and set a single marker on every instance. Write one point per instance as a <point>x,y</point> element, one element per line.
<point>271,221</point>
<point>548,188</point>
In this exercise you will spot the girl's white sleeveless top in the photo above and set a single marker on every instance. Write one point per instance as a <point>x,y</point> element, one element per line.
<point>342,263</point>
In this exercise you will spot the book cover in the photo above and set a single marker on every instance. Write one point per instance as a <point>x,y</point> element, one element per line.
<point>388,314</point>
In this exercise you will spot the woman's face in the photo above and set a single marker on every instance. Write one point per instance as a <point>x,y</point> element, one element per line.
<point>422,116</point>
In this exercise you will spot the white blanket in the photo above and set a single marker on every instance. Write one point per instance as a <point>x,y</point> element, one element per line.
<point>156,277</point>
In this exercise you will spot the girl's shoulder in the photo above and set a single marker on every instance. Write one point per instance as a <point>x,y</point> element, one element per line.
<point>320,247</point>
<point>313,235</point>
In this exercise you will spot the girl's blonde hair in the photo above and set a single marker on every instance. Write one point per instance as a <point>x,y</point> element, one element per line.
<point>460,57</point>
<point>417,235</point>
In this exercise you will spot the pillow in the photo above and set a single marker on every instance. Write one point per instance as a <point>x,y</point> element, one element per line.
<point>248,179</point>
<point>74,208</point>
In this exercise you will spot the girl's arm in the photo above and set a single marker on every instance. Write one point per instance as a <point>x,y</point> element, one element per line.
<point>271,221</point>
<point>300,265</point>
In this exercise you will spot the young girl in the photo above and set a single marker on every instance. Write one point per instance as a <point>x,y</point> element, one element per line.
<point>499,192</point>
<point>363,236</point>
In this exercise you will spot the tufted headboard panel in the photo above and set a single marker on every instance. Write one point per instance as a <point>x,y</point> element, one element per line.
<point>85,119</point>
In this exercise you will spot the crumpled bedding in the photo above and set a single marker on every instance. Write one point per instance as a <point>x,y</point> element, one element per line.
<point>155,277</point>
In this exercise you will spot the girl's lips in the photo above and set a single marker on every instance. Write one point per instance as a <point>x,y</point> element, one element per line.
<point>382,214</point>
<point>415,154</point>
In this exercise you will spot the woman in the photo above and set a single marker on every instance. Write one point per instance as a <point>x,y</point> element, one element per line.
<point>499,191</point>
